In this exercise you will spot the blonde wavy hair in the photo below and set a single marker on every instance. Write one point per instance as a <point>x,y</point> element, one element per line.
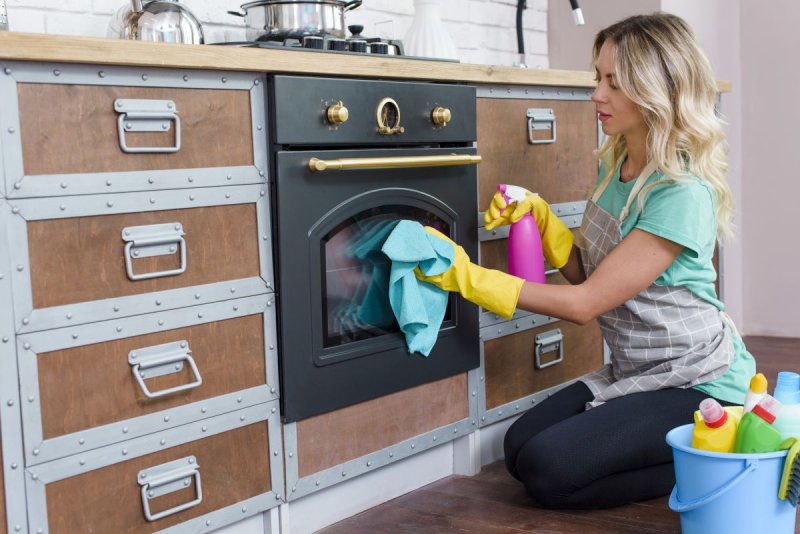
<point>660,67</point>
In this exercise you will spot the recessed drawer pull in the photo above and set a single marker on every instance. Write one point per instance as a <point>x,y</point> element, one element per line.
<point>549,342</point>
<point>541,119</point>
<point>168,478</point>
<point>147,116</point>
<point>162,360</point>
<point>153,240</point>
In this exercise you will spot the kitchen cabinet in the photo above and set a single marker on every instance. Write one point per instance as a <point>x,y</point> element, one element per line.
<point>136,252</point>
<point>543,139</point>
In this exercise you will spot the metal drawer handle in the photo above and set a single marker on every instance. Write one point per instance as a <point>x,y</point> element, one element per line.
<point>147,116</point>
<point>549,342</point>
<point>167,478</point>
<point>541,119</point>
<point>162,360</point>
<point>153,240</point>
<point>402,162</point>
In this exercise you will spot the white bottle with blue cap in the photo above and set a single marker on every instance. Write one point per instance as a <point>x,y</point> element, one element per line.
<point>787,391</point>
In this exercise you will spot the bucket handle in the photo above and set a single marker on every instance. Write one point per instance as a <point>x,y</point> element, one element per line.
<point>677,506</point>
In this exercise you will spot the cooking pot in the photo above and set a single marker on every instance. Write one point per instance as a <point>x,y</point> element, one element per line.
<point>268,20</point>
<point>156,20</point>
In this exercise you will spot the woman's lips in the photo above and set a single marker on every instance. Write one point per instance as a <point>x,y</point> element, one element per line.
<point>603,116</point>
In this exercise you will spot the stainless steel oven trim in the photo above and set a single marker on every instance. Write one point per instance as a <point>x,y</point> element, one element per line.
<point>19,185</point>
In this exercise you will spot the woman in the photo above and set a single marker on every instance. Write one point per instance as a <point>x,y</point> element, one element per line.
<point>642,267</point>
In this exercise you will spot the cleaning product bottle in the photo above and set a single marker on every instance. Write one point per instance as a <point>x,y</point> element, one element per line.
<point>756,433</point>
<point>714,427</point>
<point>756,391</point>
<point>787,391</point>
<point>525,257</point>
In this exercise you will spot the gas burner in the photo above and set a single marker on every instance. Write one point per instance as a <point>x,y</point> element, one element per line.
<point>326,43</point>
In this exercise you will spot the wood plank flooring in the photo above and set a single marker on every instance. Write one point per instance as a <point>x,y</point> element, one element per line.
<point>492,502</point>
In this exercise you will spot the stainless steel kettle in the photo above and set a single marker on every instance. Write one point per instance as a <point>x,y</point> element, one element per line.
<point>165,21</point>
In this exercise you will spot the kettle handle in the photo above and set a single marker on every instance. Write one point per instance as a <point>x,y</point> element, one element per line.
<point>351,5</point>
<point>237,14</point>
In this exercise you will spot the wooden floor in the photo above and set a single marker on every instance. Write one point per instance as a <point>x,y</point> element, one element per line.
<point>492,502</point>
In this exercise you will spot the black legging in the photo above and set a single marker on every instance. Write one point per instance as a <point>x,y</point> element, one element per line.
<point>611,455</point>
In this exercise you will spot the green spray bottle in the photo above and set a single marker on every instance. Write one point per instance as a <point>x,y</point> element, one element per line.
<point>756,433</point>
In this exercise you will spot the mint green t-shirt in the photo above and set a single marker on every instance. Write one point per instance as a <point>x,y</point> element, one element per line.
<point>684,213</point>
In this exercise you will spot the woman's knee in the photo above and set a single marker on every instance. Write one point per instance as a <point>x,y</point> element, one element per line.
<point>543,468</point>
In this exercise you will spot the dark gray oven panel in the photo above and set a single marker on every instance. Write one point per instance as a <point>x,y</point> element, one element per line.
<point>301,103</point>
<point>317,378</point>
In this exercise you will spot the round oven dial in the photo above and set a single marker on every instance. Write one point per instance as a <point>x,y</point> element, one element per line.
<point>337,113</point>
<point>440,116</point>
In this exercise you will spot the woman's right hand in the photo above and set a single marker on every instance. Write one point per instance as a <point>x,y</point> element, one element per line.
<point>556,237</point>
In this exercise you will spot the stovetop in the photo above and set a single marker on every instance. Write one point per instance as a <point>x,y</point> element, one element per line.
<point>353,45</point>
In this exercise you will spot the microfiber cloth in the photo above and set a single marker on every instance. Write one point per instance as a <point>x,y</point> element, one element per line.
<point>419,307</point>
<point>373,301</point>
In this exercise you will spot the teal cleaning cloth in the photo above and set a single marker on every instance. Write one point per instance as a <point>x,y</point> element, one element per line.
<point>419,307</point>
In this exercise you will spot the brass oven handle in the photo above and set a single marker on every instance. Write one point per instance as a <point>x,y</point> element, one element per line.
<point>402,162</point>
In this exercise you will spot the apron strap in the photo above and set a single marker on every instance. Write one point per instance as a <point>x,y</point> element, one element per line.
<point>640,181</point>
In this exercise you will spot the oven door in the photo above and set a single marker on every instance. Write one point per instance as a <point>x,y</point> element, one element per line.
<point>340,343</point>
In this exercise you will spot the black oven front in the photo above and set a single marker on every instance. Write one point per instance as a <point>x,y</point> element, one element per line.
<point>340,186</point>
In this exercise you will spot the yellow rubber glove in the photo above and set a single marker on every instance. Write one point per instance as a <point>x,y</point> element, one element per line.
<point>556,237</point>
<point>493,290</point>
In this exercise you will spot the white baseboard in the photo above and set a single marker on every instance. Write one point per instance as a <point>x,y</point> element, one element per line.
<point>326,507</point>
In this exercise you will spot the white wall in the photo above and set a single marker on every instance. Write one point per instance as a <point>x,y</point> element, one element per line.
<point>483,30</point>
<point>752,45</point>
<point>717,25</point>
<point>771,159</point>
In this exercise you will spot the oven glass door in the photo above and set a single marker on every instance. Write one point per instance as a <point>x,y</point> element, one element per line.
<point>340,342</point>
<point>355,274</point>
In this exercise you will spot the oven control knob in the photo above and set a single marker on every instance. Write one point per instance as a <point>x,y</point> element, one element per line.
<point>440,116</point>
<point>337,113</point>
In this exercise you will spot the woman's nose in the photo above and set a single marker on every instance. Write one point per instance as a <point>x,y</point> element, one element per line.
<point>598,95</point>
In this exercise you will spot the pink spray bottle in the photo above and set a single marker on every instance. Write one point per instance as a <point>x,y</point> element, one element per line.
<point>525,258</point>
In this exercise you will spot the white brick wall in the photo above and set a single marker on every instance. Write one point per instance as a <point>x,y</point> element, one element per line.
<point>483,30</point>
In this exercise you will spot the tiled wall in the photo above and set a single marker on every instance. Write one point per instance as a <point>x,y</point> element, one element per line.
<point>483,30</point>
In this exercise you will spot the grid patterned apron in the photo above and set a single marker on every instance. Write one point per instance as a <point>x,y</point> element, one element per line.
<point>664,337</point>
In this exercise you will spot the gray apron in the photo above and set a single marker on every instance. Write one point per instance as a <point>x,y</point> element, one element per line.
<point>664,337</point>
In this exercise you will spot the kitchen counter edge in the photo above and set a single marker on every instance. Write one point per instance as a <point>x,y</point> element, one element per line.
<point>20,46</point>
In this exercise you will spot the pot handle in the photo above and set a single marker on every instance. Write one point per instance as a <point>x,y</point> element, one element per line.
<point>238,14</point>
<point>352,5</point>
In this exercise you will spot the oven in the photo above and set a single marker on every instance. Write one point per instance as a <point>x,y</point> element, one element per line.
<point>350,158</point>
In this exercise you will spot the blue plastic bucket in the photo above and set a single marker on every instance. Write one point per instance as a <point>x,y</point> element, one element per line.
<point>727,493</point>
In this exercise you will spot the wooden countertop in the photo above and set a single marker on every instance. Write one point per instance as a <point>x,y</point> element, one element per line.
<point>68,49</point>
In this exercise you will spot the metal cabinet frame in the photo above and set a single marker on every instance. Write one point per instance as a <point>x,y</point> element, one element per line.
<point>29,319</point>
<point>297,487</point>
<point>19,185</point>
<point>10,416</point>
<point>571,213</point>
<point>39,476</point>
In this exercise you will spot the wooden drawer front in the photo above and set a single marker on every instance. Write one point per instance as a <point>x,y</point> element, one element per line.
<point>233,466</point>
<point>336,437</point>
<point>83,258</point>
<point>564,171</point>
<point>93,385</point>
<point>73,129</point>
<point>509,361</point>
